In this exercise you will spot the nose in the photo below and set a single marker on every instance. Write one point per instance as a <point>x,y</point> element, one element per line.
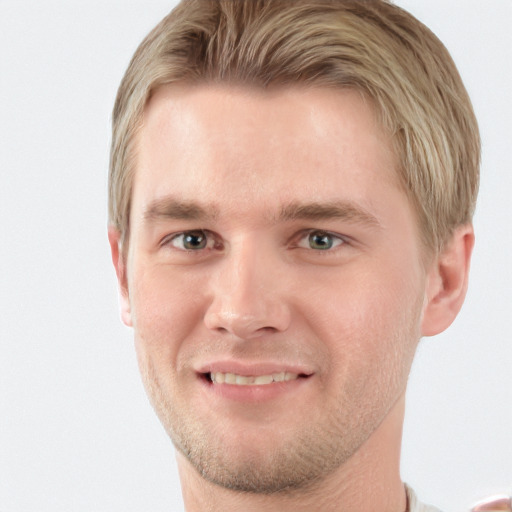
<point>248,294</point>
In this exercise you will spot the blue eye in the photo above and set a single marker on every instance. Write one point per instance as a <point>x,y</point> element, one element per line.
<point>320,241</point>
<point>192,240</point>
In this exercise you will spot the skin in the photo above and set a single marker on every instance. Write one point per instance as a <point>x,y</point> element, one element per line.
<point>303,255</point>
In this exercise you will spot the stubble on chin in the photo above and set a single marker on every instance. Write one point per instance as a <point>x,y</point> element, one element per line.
<point>289,465</point>
<point>270,461</point>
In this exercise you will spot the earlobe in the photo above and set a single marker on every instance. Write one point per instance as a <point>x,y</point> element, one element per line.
<point>447,282</point>
<point>118,259</point>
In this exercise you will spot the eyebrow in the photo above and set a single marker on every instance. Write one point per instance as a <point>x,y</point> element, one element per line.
<point>171,208</point>
<point>332,210</point>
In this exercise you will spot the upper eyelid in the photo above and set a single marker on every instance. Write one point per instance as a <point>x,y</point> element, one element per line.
<point>306,232</point>
<point>295,237</point>
<point>172,236</point>
<point>167,239</point>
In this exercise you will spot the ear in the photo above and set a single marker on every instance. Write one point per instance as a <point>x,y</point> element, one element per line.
<point>447,282</point>
<point>118,259</point>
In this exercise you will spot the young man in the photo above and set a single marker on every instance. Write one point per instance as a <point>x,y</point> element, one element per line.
<point>291,193</point>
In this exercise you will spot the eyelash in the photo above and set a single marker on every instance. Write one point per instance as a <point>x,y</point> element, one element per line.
<point>336,240</point>
<point>212,242</point>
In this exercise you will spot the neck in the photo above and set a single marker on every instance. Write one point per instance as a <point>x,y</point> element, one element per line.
<point>369,480</point>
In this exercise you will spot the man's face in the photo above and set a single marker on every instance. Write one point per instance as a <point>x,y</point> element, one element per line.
<point>272,250</point>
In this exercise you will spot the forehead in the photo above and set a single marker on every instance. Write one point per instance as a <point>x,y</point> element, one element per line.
<point>237,148</point>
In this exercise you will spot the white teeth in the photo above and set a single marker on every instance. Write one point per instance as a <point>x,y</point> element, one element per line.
<point>229,378</point>
<point>279,377</point>
<point>263,379</point>
<point>243,381</point>
<point>256,380</point>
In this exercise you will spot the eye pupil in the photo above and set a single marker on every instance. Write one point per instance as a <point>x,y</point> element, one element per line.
<point>194,240</point>
<point>320,241</point>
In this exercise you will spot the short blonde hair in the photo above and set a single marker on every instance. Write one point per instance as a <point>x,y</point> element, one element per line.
<point>369,45</point>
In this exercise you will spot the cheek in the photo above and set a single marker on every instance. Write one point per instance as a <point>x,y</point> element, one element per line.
<point>370,321</point>
<point>165,309</point>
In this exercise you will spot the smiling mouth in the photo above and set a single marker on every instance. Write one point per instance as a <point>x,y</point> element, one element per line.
<point>251,380</point>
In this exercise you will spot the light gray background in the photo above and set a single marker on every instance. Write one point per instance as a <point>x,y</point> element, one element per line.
<point>76,432</point>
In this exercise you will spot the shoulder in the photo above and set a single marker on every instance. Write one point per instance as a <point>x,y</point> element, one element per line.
<point>415,505</point>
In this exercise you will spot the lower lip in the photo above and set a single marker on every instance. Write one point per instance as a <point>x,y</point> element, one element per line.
<point>254,394</point>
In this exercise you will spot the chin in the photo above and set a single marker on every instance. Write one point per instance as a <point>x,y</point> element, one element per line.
<point>264,464</point>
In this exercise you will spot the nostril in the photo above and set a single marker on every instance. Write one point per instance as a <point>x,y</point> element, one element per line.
<point>268,330</point>
<point>246,317</point>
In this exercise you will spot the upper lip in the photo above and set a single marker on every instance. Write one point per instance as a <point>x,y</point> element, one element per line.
<point>249,369</point>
